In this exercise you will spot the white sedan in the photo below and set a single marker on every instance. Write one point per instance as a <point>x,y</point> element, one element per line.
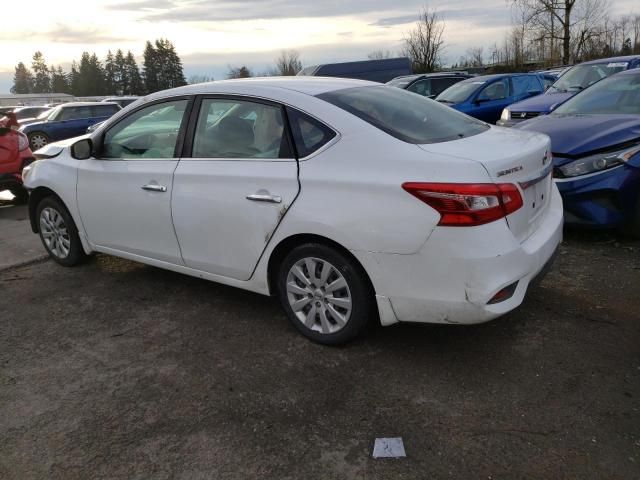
<point>349,200</point>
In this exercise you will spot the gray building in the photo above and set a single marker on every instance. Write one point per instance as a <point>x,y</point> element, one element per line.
<point>20,99</point>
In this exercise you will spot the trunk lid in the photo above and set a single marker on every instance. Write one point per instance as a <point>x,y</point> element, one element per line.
<point>508,156</point>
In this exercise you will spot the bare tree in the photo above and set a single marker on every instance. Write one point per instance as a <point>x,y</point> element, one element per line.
<point>239,72</point>
<point>193,79</point>
<point>288,63</point>
<point>571,21</point>
<point>424,45</point>
<point>380,54</point>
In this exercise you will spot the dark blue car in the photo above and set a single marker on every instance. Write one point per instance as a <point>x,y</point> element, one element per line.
<point>67,121</point>
<point>574,80</point>
<point>595,139</point>
<point>486,96</point>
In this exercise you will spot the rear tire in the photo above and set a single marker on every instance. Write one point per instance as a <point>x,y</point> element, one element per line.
<point>37,140</point>
<point>325,294</point>
<point>59,233</point>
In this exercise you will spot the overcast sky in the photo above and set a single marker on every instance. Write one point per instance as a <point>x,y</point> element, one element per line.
<point>210,35</point>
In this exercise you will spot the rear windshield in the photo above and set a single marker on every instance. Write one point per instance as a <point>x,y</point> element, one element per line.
<point>405,115</point>
<point>459,92</point>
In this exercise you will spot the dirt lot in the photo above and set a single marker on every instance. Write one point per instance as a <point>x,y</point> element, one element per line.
<point>119,370</point>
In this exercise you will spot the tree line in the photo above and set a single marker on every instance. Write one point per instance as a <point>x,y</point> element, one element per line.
<point>118,74</point>
<point>544,33</point>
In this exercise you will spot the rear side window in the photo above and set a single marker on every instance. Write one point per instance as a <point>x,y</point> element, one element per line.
<point>75,113</point>
<point>421,87</point>
<point>525,84</point>
<point>404,115</point>
<point>308,133</point>
<point>439,85</point>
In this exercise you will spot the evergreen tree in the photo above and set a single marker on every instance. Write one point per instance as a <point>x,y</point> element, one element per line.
<point>74,79</point>
<point>150,68</point>
<point>169,65</point>
<point>110,81</point>
<point>97,78</point>
<point>41,81</point>
<point>135,84</point>
<point>22,80</point>
<point>59,81</point>
<point>120,79</point>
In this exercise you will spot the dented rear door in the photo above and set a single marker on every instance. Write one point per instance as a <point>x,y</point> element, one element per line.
<point>229,196</point>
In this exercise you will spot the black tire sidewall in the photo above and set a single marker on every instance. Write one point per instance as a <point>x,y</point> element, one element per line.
<point>76,252</point>
<point>361,294</point>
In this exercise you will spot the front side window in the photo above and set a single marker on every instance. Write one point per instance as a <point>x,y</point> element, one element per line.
<point>74,113</point>
<point>405,116</point>
<point>308,133</point>
<point>496,91</point>
<point>104,110</point>
<point>151,132</point>
<point>239,129</point>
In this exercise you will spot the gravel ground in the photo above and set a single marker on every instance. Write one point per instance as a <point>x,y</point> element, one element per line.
<point>119,370</point>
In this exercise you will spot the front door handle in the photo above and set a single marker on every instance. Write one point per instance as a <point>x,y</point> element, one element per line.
<point>260,197</point>
<point>153,187</point>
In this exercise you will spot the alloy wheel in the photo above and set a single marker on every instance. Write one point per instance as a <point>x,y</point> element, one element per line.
<point>319,295</point>
<point>55,233</point>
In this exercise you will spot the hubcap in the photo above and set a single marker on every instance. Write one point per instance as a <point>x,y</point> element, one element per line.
<point>38,141</point>
<point>54,233</point>
<point>319,295</point>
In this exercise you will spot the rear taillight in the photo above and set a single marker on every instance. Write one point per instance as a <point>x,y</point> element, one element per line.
<point>23,141</point>
<point>467,204</point>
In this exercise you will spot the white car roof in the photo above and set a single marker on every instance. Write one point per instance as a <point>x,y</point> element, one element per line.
<point>305,85</point>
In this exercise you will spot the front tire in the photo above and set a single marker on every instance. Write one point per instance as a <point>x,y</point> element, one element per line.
<point>59,233</point>
<point>325,294</point>
<point>37,140</point>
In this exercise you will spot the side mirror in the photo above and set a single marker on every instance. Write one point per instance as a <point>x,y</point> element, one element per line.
<point>81,150</point>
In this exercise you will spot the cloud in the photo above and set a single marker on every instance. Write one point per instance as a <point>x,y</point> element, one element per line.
<point>62,33</point>
<point>392,21</point>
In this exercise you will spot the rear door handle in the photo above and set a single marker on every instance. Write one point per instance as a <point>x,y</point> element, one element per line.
<point>259,197</point>
<point>153,187</point>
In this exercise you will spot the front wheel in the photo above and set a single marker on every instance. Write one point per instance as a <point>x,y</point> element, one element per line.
<point>324,293</point>
<point>58,232</point>
<point>37,140</point>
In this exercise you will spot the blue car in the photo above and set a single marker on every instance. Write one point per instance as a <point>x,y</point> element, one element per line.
<point>67,121</point>
<point>574,80</point>
<point>595,139</point>
<point>486,96</point>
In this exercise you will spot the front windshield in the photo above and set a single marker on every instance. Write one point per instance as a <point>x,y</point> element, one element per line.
<point>581,76</point>
<point>405,115</point>
<point>44,114</point>
<point>460,91</point>
<point>399,82</point>
<point>615,95</point>
<point>51,115</point>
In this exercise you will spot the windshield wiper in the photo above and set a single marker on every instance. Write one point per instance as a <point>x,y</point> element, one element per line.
<point>577,87</point>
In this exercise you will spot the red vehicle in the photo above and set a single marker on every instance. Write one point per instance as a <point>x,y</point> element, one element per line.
<point>14,156</point>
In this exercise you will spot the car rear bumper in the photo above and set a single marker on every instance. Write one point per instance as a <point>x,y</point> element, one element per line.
<point>459,270</point>
<point>605,200</point>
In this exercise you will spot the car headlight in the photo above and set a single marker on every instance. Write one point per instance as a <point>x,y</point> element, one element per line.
<point>506,114</point>
<point>598,162</point>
